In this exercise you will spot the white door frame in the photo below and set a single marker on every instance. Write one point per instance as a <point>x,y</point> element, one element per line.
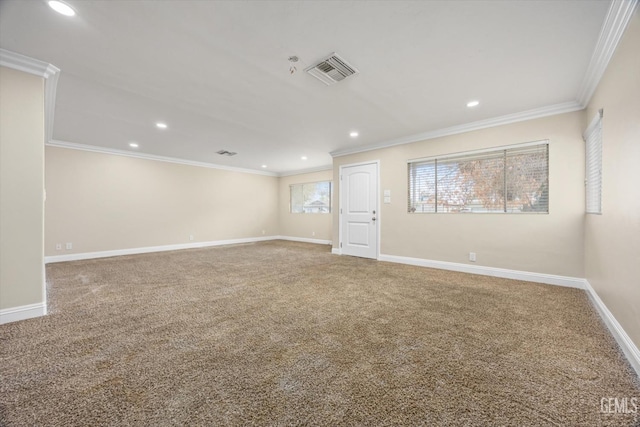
<point>377,204</point>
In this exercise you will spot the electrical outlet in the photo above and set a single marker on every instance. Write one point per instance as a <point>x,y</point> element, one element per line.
<point>69,246</point>
<point>313,233</point>
<point>190,236</point>
<point>472,256</point>
<point>264,232</point>
<point>58,246</point>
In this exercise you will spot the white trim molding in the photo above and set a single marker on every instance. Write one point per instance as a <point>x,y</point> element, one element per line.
<point>549,279</point>
<point>627,346</point>
<point>23,312</point>
<point>629,349</point>
<point>305,240</point>
<point>537,113</point>
<point>145,156</point>
<point>139,155</point>
<point>175,247</point>
<point>309,170</point>
<point>42,69</point>
<point>26,64</point>
<point>113,151</point>
<point>149,249</point>
<point>615,23</point>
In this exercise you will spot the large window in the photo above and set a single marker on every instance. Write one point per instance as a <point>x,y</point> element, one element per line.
<point>507,180</point>
<point>313,197</point>
<point>593,167</point>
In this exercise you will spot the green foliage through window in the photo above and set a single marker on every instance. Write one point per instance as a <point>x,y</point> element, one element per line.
<point>314,197</point>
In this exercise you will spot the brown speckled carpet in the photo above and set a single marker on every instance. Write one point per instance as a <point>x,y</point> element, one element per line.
<point>283,333</point>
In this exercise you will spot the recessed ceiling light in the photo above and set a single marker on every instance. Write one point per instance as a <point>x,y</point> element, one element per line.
<point>161,125</point>
<point>133,145</point>
<point>353,134</point>
<point>61,7</point>
<point>471,104</point>
<point>304,157</point>
<point>264,166</point>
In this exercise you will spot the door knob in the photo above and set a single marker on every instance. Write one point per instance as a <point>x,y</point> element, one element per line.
<point>373,219</point>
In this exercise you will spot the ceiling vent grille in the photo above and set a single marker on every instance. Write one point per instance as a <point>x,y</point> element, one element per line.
<point>331,70</point>
<point>226,153</point>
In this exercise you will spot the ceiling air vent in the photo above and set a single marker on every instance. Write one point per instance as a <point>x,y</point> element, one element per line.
<point>226,153</point>
<point>332,70</point>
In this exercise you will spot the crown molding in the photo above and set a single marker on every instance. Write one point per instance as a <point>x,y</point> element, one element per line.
<point>615,23</point>
<point>41,69</point>
<point>145,156</point>
<point>28,65</point>
<point>536,113</point>
<point>309,170</point>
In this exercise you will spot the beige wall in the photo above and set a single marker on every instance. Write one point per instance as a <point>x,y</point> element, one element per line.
<point>551,244</point>
<point>612,240</point>
<point>21,188</point>
<point>306,226</point>
<point>101,202</point>
<point>105,202</point>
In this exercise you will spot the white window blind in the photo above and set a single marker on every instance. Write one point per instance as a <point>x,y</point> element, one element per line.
<point>507,180</point>
<point>313,197</point>
<point>593,168</point>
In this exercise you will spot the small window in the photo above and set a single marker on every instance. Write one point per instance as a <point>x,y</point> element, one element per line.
<point>507,180</point>
<point>593,168</point>
<point>314,197</point>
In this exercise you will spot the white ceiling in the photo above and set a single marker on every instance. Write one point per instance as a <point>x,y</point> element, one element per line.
<point>217,72</point>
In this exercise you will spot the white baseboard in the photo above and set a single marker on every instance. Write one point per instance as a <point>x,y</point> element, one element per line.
<point>148,249</point>
<point>305,240</point>
<point>628,347</point>
<point>23,312</point>
<point>193,245</point>
<point>624,341</point>
<point>549,279</point>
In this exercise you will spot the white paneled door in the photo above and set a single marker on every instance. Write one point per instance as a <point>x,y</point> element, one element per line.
<point>359,210</point>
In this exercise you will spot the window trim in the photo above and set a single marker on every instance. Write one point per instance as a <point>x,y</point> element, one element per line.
<point>307,183</point>
<point>479,152</point>
<point>592,136</point>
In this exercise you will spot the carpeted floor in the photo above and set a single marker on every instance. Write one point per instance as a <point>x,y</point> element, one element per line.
<point>284,333</point>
